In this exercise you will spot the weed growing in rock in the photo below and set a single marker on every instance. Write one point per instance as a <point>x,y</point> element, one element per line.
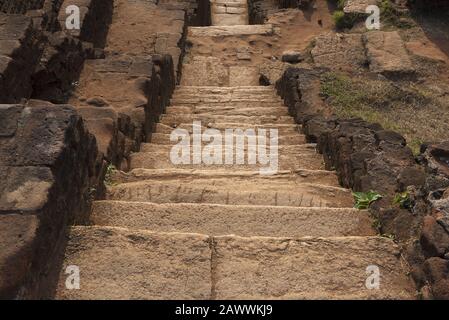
<point>364,199</point>
<point>403,200</point>
<point>110,169</point>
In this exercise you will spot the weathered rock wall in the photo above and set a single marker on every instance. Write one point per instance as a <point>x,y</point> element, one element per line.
<point>49,165</point>
<point>21,46</point>
<point>95,18</point>
<point>367,157</point>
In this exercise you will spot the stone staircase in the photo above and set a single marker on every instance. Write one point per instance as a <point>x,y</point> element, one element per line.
<point>170,231</point>
<point>185,231</point>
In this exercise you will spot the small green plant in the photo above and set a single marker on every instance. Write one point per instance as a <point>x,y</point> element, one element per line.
<point>364,199</point>
<point>403,200</point>
<point>92,193</point>
<point>110,169</point>
<point>340,19</point>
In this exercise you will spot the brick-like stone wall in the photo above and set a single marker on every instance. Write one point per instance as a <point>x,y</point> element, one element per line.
<point>21,45</point>
<point>49,166</point>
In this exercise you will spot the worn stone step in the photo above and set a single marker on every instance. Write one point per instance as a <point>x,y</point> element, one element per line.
<point>234,104</point>
<point>200,90</point>
<point>162,160</point>
<point>307,148</point>
<point>224,93</point>
<point>117,263</point>
<point>307,268</point>
<point>239,220</point>
<point>229,110</point>
<point>175,119</point>
<point>229,100</point>
<point>233,30</point>
<point>232,191</point>
<point>322,177</point>
<point>226,97</point>
<point>163,138</point>
<point>282,128</point>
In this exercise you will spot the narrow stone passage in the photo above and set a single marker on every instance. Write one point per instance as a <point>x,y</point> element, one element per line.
<point>225,231</point>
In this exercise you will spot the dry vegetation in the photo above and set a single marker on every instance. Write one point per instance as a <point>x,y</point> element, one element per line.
<point>413,109</point>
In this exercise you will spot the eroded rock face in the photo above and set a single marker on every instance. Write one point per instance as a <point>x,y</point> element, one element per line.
<point>48,164</point>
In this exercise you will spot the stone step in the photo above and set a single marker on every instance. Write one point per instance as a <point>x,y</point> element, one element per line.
<point>294,150</point>
<point>228,19</point>
<point>172,119</point>
<point>234,104</point>
<point>233,30</point>
<point>163,138</point>
<point>227,219</point>
<point>116,263</point>
<point>283,129</point>
<point>232,191</point>
<point>230,97</point>
<point>229,110</point>
<point>247,90</point>
<point>183,100</point>
<point>307,268</point>
<point>322,177</point>
<point>162,160</point>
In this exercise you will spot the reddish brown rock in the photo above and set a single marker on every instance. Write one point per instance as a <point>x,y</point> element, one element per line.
<point>434,239</point>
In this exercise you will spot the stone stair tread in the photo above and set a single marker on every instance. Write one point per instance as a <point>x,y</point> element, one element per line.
<point>245,111</point>
<point>223,99</point>
<point>282,128</point>
<point>299,149</point>
<point>119,263</point>
<point>292,139</point>
<point>227,89</point>
<point>216,90</point>
<point>257,120</point>
<point>234,96</point>
<point>322,177</point>
<point>305,160</point>
<point>231,191</point>
<point>216,31</point>
<point>241,220</point>
<point>307,268</point>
